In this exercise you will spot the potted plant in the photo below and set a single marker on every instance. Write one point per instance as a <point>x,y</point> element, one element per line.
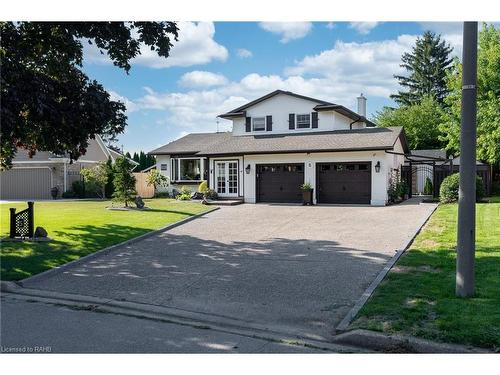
<point>307,194</point>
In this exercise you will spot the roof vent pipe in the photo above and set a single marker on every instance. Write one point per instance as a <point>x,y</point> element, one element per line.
<point>361,105</point>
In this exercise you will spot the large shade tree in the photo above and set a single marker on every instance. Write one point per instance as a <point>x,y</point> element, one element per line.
<point>488,99</point>
<point>420,122</point>
<point>48,102</point>
<point>426,68</point>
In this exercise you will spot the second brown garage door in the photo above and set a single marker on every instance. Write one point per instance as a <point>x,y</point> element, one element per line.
<point>280,183</point>
<point>344,182</point>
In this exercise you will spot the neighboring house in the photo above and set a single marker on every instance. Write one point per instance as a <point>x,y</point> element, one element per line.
<point>33,178</point>
<point>282,140</point>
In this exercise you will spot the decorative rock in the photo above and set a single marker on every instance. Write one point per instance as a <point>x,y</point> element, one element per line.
<point>197,195</point>
<point>139,202</point>
<point>40,232</point>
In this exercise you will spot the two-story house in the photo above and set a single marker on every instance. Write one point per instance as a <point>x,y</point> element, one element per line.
<point>282,140</point>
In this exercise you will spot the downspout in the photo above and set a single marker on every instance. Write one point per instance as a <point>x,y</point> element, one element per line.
<point>65,176</point>
<point>355,121</point>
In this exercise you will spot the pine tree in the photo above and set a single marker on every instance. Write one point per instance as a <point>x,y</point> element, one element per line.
<point>427,66</point>
<point>123,181</point>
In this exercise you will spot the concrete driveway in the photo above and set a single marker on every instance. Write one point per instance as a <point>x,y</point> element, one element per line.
<point>288,268</point>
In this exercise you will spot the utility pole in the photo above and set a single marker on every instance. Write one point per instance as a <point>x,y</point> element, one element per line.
<point>466,230</point>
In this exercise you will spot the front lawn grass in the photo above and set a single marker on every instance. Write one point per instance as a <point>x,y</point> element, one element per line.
<point>418,295</point>
<point>79,228</point>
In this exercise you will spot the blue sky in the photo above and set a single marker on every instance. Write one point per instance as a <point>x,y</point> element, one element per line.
<point>215,67</point>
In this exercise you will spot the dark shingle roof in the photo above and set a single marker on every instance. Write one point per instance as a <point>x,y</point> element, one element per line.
<point>337,140</point>
<point>191,143</point>
<point>438,153</point>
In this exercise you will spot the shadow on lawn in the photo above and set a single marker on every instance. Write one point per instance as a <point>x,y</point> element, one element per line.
<point>23,259</point>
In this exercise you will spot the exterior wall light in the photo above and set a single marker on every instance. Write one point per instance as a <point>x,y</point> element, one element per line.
<point>247,169</point>
<point>377,167</point>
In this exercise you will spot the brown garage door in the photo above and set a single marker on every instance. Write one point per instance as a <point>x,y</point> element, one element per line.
<point>344,182</point>
<point>280,183</point>
<point>25,183</point>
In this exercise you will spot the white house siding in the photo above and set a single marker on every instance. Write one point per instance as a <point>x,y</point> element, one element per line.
<point>379,180</point>
<point>280,106</point>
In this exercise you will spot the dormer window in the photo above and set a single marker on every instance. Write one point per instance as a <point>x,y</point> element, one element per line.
<point>258,124</point>
<point>304,121</point>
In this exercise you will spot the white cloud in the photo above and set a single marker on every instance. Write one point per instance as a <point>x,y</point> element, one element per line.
<point>287,30</point>
<point>363,28</point>
<point>330,25</point>
<point>368,67</point>
<point>198,78</point>
<point>196,46</point>
<point>131,106</point>
<point>243,53</point>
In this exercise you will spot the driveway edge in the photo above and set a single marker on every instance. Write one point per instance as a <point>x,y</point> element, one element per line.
<point>106,250</point>
<point>351,314</point>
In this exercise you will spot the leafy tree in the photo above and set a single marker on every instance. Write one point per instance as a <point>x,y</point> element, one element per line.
<point>156,179</point>
<point>97,176</point>
<point>427,65</point>
<point>488,100</point>
<point>48,103</point>
<point>420,121</point>
<point>123,181</point>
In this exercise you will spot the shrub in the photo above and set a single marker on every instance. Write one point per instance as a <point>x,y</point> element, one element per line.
<point>162,194</point>
<point>156,179</point>
<point>428,186</point>
<point>495,188</point>
<point>78,189</point>
<point>184,194</point>
<point>210,194</point>
<point>202,187</point>
<point>68,194</point>
<point>448,192</point>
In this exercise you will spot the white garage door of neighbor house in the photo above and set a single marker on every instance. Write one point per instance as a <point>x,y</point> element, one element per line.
<point>25,183</point>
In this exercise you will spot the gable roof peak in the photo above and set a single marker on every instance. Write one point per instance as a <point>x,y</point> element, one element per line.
<point>240,110</point>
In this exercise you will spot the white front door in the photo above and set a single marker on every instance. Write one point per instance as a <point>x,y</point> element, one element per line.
<point>226,178</point>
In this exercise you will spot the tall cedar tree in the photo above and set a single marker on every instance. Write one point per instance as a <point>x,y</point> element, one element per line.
<point>48,103</point>
<point>427,66</point>
<point>123,181</point>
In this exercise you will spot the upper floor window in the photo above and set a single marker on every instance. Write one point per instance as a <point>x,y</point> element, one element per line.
<point>303,121</point>
<point>258,123</point>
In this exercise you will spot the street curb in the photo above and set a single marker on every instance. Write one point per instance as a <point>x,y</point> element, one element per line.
<point>170,315</point>
<point>106,250</point>
<point>351,314</point>
<point>383,342</point>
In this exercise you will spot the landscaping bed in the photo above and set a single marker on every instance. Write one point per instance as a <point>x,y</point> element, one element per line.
<point>418,296</point>
<point>78,228</point>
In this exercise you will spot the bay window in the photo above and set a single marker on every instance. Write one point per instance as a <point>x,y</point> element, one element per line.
<point>187,169</point>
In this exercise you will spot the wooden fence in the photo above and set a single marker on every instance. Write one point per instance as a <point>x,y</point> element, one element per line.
<point>141,187</point>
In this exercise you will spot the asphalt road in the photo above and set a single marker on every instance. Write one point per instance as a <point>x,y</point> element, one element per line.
<point>34,327</point>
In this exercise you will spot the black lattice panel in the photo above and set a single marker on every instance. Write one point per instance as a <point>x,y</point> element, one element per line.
<point>22,224</point>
